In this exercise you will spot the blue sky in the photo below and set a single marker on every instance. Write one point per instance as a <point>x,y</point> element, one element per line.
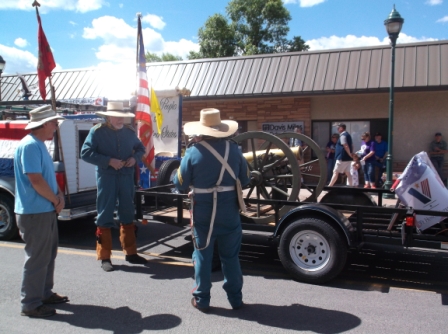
<point>89,33</point>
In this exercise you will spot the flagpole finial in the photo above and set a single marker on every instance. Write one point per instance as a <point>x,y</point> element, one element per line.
<point>139,14</point>
<point>35,3</point>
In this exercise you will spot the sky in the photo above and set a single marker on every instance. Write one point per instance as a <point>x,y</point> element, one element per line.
<point>103,33</point>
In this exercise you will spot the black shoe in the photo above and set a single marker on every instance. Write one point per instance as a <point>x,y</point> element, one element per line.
<point>136,259</point>
<point>196,306</point>
<point>107,265</point>
<point>39,312</point>
<point>55,299</point>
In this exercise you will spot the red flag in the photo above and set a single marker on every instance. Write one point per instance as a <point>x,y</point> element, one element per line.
<point>46,61</point>
<point>142,113</point>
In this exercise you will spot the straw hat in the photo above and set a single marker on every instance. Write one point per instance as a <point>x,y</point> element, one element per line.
<point>115,109</point>
<point>40,116</point>
<point>210,124</point>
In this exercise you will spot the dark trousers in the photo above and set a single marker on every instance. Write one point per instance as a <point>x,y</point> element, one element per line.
<point>438,164</point>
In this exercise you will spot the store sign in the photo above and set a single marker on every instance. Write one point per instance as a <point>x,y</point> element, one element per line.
<point>280,127</point>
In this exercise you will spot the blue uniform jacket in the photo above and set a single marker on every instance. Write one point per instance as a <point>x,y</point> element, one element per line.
<point>199,168</point>
<point>104,142</point>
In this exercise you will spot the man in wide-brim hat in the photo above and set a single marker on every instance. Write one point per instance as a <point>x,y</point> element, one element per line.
<point>214,220</point>
<point>115,149</point>
<point>38,200</point>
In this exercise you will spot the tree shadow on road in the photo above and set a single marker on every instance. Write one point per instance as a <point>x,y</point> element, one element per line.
<point>294,317</point>
<point>119,320</point>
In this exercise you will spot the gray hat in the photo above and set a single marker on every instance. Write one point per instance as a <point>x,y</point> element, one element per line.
<point>40,116</point>
<point>115,109</point>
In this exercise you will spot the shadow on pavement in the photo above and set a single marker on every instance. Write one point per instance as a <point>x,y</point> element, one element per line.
<point>119,320</point>
<point>294,317</point>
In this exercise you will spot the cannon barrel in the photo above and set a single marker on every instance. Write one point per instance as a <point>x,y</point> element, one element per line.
<point>249,156</point>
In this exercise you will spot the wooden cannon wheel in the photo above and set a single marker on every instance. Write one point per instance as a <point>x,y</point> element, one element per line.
<point>274,172</point>
<point>312,165</point>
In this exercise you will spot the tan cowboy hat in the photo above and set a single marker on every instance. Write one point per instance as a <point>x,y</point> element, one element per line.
<point>210,124</point>
<point>40,116</point>
<point>115,109</point>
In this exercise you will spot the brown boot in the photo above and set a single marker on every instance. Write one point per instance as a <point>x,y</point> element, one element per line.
<point>129,244</point>
<point>104,247</point>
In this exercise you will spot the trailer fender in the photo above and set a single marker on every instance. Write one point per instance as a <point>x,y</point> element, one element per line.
<point>321,211</point>
<point>345,196</point>
<point>7,183</point>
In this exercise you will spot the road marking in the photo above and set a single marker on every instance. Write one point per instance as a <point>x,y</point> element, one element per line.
<point>174,261</point>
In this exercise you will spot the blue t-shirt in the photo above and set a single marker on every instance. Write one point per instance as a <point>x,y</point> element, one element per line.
<point>32,156</point>
<point>380,148</point>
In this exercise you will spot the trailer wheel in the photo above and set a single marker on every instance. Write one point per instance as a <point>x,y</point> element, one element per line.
<point>167,171</point>
<point>312,250</point>
<point>8,226</point>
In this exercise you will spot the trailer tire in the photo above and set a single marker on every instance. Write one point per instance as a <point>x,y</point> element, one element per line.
<point>8,226</point>
<point>165,176</point>
<point>312,251</point>
<point>167,171</point>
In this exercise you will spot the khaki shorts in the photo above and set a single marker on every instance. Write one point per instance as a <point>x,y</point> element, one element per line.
<point>342,166</point>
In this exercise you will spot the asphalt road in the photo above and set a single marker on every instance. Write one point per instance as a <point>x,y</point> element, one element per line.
<point>377,292</point>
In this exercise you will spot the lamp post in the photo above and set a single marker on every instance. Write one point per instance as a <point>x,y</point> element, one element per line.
<point>2,66</point>
<point>393,24</point>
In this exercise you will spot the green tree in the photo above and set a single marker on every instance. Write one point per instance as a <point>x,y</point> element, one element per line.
<point>154,58</point>
<point>216,38</point>
<point>256,26</point>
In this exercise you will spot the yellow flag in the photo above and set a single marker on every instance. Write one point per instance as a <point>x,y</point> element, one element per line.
<point>155,108</point>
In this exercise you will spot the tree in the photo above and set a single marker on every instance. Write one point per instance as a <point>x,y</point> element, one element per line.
<point>256,26</point>
<point>154,58</point>
<point>217,38</point>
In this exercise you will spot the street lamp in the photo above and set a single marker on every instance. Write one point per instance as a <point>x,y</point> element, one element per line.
<point>393,24</point>
<point>2,66</point>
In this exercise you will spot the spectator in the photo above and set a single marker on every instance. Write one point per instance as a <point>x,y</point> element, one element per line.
<point>354,167</point>
<point>294,142</point>
<point>368,160</point>
<point>437,150</point>
<point>331,146</point>
<point>381,150</point>
<point>38,201</point>
<point>343,155</point>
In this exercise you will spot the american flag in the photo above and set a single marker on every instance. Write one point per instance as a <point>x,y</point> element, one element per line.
<point>142,113</point>
<point>426,190</point>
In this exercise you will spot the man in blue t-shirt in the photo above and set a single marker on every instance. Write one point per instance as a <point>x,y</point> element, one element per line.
<point>38,199</point>
<point>343,155</point>
<point>381,150</point>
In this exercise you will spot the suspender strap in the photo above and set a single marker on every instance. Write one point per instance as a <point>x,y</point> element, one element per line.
<point>215,189</point>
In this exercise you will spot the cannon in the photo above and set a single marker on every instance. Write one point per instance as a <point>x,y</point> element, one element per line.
<point>280,172</point>
<point>276,170</point>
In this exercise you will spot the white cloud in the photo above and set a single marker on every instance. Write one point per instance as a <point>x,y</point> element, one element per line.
<point>73,23</point>
<point>20,42</point>
<point>82,6</point>
<point>434,2</point>
<point>350,41</point>
<point>306,3</point>
<point>154,21</point>
<point>120,5</point>
<point>119,41</point>
<point>443,20</point>
<point>19,61</point>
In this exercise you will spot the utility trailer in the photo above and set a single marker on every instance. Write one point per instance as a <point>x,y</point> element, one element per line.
<point>314,231</point>
<point>313,239</point>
